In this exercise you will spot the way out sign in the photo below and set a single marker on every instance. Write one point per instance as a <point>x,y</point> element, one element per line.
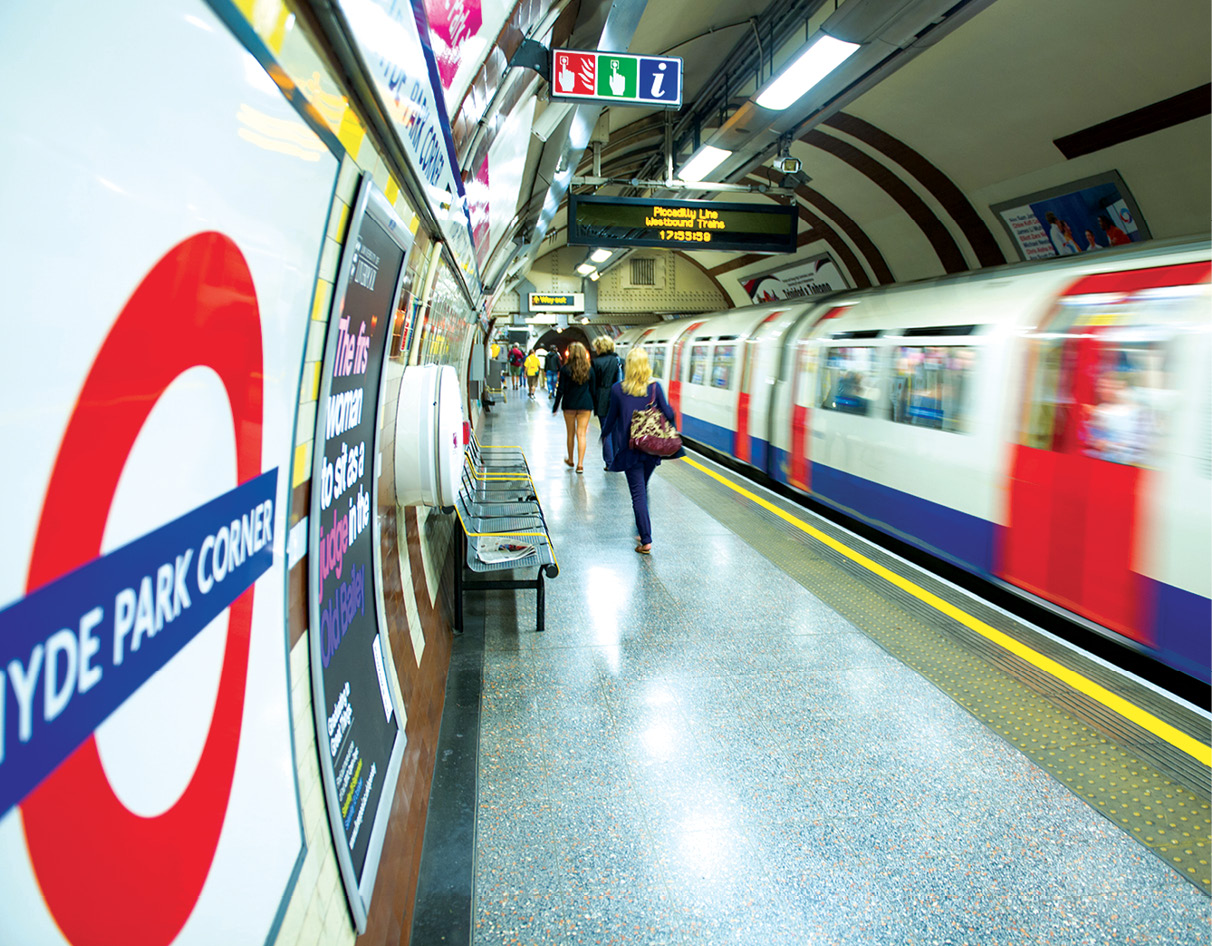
<point>616,78</point>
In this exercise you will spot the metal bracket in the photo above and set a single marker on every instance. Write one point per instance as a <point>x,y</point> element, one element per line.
<point>533,55</point>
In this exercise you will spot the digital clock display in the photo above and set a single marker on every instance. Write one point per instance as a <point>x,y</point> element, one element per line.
<point>681,224</point>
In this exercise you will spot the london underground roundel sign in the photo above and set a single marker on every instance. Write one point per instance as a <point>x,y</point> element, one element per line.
<point>99,864</point>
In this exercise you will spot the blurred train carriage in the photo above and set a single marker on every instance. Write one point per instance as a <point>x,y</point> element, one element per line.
<point>1046,426</point>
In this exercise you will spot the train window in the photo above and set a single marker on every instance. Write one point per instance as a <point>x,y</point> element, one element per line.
<point>721,366</point>
<point>805,365</point>
<point>1048,404</point>
<point>1127,397</point>
<point>930,384</point>
<point>699,356</point>
<point>937,331</point>
<point>656,357</point>
<point>848,381</point>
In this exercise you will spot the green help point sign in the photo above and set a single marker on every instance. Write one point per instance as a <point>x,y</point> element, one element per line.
<point>618,77</point>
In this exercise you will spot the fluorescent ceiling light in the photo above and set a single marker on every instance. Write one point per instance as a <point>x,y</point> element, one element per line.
<point>595,276</point>
<point>705,160</point>
<point>600,256</point>
<point>805,71</point>
<point>586,268</point>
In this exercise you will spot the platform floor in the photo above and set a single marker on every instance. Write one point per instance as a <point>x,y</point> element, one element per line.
<point>700,750</point>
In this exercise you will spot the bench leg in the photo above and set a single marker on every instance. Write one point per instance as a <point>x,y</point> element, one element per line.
<point>460,559</point>
<point>541,602</point>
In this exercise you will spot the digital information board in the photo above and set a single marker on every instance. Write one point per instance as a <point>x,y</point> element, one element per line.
<point>359,727</point>
<point>681,224</point>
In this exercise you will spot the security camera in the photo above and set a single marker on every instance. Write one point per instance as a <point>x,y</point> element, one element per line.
<point>788,164</point>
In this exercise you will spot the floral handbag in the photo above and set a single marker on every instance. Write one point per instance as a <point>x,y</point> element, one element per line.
<point>652,433</point>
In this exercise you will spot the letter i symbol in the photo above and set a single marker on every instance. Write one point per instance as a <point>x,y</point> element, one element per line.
<point>658,80</point>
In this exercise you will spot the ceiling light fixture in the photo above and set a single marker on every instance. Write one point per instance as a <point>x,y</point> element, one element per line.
<point>600,256</point>
<point>803,72</point>
<point>586,268</point>
<point>704,161</point>
<point>595,276</point>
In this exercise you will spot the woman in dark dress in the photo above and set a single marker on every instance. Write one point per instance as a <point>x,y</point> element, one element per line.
<point>575,392</point>
<point>607,371</point>
<point>636,391</point>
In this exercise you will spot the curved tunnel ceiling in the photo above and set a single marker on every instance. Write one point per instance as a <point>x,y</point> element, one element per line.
<point>961,105</point>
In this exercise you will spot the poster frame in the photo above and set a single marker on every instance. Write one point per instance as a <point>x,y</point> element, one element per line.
<point>1112,177</point>
<point>373,204</point>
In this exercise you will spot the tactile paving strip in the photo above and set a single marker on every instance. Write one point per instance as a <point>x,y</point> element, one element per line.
<point>1147,787</point>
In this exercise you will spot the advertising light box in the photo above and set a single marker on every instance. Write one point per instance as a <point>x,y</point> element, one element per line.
<point>681,224</point>
<point>147,773</point>
<point>359,729</point>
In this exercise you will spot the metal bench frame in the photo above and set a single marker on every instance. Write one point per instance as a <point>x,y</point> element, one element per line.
<point>497,500</point>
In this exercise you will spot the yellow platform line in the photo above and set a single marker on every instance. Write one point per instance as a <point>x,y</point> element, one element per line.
<point>1130,711</point>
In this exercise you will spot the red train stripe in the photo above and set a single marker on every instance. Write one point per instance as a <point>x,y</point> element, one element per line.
<point>1134,280</point>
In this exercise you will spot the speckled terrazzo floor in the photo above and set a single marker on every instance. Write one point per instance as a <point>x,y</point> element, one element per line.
<point>698,751</point>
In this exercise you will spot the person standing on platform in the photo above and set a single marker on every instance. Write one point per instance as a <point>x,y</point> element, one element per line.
<point>637,390</point>
<point>531,365</point>
<point>516,359</point>
<point>552,366</point>
<point>575,391</point>
<point>607,372</point>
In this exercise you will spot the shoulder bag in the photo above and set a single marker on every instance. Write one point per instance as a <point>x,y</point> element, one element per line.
<point>652,433</point>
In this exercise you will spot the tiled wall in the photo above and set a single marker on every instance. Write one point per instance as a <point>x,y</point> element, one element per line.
<point>415,544</point>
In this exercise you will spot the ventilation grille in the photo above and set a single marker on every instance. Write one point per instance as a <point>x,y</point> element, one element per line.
<point>643,272</point>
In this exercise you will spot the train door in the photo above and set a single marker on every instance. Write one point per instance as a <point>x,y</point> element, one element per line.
<point>803,389</point>
<point>796,470</point>
<point>743,445</point>
<point>675,372</point>
<point>1098,396</point>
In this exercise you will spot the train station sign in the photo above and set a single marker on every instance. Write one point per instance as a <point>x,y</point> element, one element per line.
<point>587,75</point>
<point>681,224</point>
<point>556,302</point>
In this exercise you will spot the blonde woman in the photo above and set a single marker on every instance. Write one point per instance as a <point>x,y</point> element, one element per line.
<point>575,392</point>
<point>637,390</point>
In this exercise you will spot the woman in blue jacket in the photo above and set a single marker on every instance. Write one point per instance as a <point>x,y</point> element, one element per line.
<point>637,390</point>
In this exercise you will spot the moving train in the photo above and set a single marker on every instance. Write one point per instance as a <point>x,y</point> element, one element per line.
<point>1047,426</point>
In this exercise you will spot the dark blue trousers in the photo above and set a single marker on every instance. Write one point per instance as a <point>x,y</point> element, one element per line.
<point>637,482</point>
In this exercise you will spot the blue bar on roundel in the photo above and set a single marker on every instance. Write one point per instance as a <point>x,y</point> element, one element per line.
<point>75,650</point>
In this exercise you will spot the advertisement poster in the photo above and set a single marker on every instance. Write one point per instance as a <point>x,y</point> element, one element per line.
<point>810,277</point>
<point>1082,217</point>
<point>358,727</point>
<point>156,309</point>
<point>386,35</point>
<point>492,194</point>
<point>461,34</point>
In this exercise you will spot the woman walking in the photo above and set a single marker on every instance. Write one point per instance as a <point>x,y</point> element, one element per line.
<point>607,372</point>
<point>637,390</point>
<point>575,391</point>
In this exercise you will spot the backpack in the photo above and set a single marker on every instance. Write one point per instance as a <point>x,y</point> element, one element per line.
<point>515,358</point>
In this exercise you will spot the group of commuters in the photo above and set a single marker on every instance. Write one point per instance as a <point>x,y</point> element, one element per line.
<point>614,390</point>
<point>531,365</point>
<point>608,387</point>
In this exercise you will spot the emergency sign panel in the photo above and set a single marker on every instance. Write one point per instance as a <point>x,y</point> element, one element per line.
<point>584,75</point>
